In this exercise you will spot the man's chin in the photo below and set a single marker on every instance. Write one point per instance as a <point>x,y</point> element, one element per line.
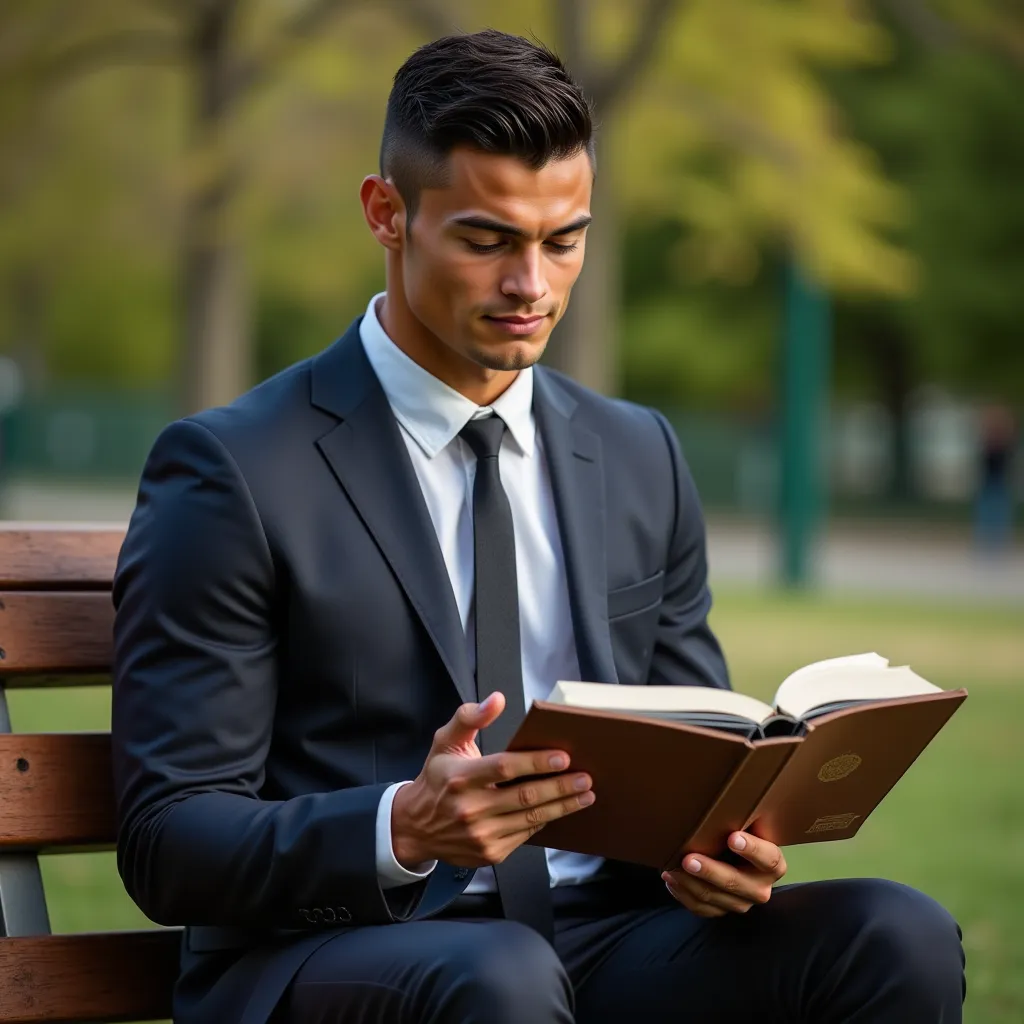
<point>518,355</point>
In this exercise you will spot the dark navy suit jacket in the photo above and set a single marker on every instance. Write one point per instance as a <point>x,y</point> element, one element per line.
<point>287,642</point>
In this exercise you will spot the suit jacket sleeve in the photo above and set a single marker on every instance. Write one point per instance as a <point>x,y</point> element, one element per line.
<point>195,685</point>
<point>686,651</point>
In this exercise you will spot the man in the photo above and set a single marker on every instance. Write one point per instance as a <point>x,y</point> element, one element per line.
<point>338,594</point>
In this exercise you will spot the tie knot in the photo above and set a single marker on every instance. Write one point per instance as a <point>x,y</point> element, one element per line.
<point>484,436</point>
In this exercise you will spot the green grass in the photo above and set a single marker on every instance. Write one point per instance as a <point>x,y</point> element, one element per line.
<point>953,827</point>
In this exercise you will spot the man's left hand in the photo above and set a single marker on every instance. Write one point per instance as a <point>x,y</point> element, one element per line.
<point>713,888</point>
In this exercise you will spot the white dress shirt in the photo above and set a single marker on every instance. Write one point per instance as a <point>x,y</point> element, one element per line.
<point>430,415</point>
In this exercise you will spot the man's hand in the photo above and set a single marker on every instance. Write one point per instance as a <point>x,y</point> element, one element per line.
<point>456,811</point>
<point>712,888</point>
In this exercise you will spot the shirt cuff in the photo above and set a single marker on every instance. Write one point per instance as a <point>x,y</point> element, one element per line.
<point>390,873</point>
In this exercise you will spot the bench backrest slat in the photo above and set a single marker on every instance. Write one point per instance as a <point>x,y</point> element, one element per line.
<point>41,557</point>
<point>55,632</point>
<point>56,791</point>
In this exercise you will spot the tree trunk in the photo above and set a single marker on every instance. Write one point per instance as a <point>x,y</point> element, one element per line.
<point>28,292</point>
<point>891,356</point>
<point>585,345</point>
<point>217,342</point>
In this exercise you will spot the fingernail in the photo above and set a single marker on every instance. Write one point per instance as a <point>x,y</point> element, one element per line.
<point>582,782</point>
<point>585,799</point>
<point>559,761</point>
<point>692,865</point>
<point>738,843</point>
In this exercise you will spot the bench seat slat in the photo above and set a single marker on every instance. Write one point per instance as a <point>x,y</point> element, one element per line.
<point>55,632</point>
<point>35,557</point>
<point>56,791</point>
<point>113,976</point>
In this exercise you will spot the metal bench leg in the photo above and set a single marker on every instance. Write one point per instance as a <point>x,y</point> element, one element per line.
<point>22,900</point>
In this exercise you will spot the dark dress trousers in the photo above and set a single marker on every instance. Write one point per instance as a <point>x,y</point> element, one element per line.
<point>287,642</point>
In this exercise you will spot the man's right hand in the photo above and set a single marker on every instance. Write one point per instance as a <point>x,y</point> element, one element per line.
<point>456,811</point>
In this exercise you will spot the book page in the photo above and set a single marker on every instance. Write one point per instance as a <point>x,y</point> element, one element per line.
<point>842,679</point>
<point>871,660</point>
<point>652,699</point>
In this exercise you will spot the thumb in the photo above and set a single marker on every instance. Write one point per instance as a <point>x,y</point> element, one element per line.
<point>469,720</point>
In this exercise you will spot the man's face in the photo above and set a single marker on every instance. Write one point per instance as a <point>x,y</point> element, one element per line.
<point>490,259</point>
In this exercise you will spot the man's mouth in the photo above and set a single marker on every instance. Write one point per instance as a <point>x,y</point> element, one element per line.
<point>517,324</point>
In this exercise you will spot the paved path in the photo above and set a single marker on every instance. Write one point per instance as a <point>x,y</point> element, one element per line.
<point>900,558</point>
<point>883,558</point>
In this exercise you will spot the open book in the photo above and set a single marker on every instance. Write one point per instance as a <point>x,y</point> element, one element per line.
<point>808,693</point>
<point>677,768</point>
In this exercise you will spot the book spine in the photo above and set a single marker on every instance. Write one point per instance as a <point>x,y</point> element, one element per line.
<point>739,798</point>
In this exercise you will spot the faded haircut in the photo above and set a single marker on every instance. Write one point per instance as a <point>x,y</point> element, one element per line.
<point>489,90</point>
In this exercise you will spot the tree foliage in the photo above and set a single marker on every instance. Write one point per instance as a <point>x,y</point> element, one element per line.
<point>944,117</point>
<point>179,177</point>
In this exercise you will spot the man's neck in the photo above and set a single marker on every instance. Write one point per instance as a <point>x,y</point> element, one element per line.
<point>480,385</point>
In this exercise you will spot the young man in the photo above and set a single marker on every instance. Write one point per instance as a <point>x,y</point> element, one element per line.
<point>338,594</point>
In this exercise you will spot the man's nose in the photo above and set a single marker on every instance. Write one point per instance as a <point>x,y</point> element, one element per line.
<point>526,278</point>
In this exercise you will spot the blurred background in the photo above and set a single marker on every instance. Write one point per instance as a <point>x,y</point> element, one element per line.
<point>808,251</point>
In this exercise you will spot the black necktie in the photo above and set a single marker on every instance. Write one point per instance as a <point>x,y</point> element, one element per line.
<point>523,876</point>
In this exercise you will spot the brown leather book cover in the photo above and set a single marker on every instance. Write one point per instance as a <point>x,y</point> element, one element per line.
<point>845,765</point>
<point>664,788</point>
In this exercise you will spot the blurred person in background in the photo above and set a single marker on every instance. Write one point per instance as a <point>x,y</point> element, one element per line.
<point>993,506</point>
<point>338,595</point>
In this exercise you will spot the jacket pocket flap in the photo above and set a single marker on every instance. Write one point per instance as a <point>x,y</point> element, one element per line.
<point>636,596</point>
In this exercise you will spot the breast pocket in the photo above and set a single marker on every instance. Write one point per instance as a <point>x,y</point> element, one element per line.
<point>633,621</point>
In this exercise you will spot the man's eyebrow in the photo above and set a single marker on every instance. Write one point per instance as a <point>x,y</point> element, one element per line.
<point>500,228</point>
<point>577,225</point>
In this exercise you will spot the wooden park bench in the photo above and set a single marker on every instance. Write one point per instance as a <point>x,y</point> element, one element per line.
<point>56,790</point>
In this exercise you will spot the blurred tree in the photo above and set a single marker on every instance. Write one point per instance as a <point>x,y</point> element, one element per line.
<point>226,51</point>
<point>712,112</point>
<point>702,346</point>
<point>944,119</point>
<point>85,226</point>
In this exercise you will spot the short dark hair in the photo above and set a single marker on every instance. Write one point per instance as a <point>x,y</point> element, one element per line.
<point>489,90</point>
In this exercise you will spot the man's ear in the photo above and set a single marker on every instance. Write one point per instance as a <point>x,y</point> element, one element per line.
<point>384,210</point>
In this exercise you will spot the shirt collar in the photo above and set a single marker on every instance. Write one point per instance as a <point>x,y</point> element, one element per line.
<point>432,412</point>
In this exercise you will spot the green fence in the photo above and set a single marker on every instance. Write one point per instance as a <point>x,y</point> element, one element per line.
<point>96,437</point>
<point>106,437</point>
<point>85,435</point>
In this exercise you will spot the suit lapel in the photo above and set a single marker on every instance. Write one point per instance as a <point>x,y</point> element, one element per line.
<point>368,457</point>
<point>577,482</point>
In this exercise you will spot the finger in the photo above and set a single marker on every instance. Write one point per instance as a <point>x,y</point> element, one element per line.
<point>533,819</point>
<point>755,888</point>
<point>688,900</point>
<point>508,766</point>
<point>534,792</point>
<point>697,892</point>
<point>462,727</point>
<point>765,856</point>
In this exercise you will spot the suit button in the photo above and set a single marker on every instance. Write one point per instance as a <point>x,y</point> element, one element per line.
<point>460,873</point>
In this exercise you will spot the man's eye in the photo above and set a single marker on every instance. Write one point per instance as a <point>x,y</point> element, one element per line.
<point>558,247</point>
<point>477,247</point>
